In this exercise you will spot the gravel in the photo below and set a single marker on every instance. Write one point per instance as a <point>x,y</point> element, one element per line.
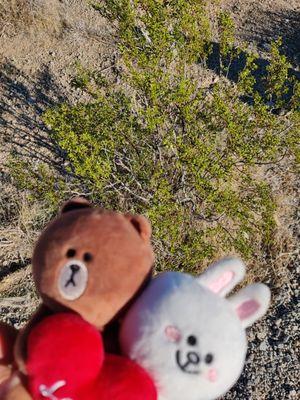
<point>272,365</point>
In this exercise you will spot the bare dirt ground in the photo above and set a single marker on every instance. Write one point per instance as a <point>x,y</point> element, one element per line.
<point>39,48</point>
<point>39,59</point>
<point>260,22</point>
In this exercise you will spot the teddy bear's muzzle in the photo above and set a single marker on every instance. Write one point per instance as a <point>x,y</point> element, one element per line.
<point>73,280</point>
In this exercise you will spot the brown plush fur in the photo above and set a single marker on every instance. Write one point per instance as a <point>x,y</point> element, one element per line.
<point>7,339</point>
<point>119,263</point>
<point>121,260</point>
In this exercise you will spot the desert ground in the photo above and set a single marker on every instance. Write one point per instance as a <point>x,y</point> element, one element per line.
<point>40,44</point>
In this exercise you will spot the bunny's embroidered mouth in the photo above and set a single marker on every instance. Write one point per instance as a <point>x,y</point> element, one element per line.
<point>192,358</point>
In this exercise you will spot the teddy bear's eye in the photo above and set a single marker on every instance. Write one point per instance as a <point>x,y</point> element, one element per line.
<point>87,257</point>
<point>192,340</point>
<point>71,253</point>
<point>209,358</point>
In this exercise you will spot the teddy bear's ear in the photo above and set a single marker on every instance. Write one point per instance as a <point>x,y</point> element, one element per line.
<point>76,203</point>
<point>141,225</point>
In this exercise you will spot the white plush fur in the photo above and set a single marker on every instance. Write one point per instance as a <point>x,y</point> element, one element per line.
<point>217,272</point>
<point>176,306</point>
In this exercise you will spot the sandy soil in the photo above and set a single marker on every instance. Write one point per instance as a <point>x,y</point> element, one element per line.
<point>260,22</point>
<point>38,62</point>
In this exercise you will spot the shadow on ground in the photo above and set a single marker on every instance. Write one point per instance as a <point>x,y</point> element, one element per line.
<point>234,66</point>
<point>264,26</point>
<point>22,102</point>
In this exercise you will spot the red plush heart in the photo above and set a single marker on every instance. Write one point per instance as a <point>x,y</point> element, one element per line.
<point>123,379</point>
<point>65,354</point>
<point>66,362</point>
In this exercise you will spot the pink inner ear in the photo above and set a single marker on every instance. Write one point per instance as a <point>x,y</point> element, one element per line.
<point>172,333</point>
<point>221,282</point>
<point>247,309</point>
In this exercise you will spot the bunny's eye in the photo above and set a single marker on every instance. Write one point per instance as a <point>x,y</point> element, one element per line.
<point>209,358</point>
<point>192,340</point>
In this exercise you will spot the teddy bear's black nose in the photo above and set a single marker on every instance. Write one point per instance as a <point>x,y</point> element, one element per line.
<point>75,268</point>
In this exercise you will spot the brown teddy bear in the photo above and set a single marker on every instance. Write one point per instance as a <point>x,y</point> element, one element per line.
<point>90,262</point>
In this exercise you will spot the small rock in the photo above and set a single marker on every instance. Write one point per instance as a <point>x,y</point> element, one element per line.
<point>266,46</point>
<point>263,346</point>
<point>261,335</point>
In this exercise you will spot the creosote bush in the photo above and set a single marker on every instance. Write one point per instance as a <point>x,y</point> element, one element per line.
<point>161,143</point>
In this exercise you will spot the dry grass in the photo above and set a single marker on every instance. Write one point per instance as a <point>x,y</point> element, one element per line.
<point>14,284</point>
<point>272,267</point>
<point>16,12</point>
<point>18,298</point>
<point>50,17</point>
<point>19,225</point>
<point>16,15</point>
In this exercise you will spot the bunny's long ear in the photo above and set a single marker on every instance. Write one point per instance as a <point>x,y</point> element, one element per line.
<point>222,276</point>
<point>251,303</point>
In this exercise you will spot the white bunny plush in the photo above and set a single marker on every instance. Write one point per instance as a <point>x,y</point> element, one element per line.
<point>188,336</point>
